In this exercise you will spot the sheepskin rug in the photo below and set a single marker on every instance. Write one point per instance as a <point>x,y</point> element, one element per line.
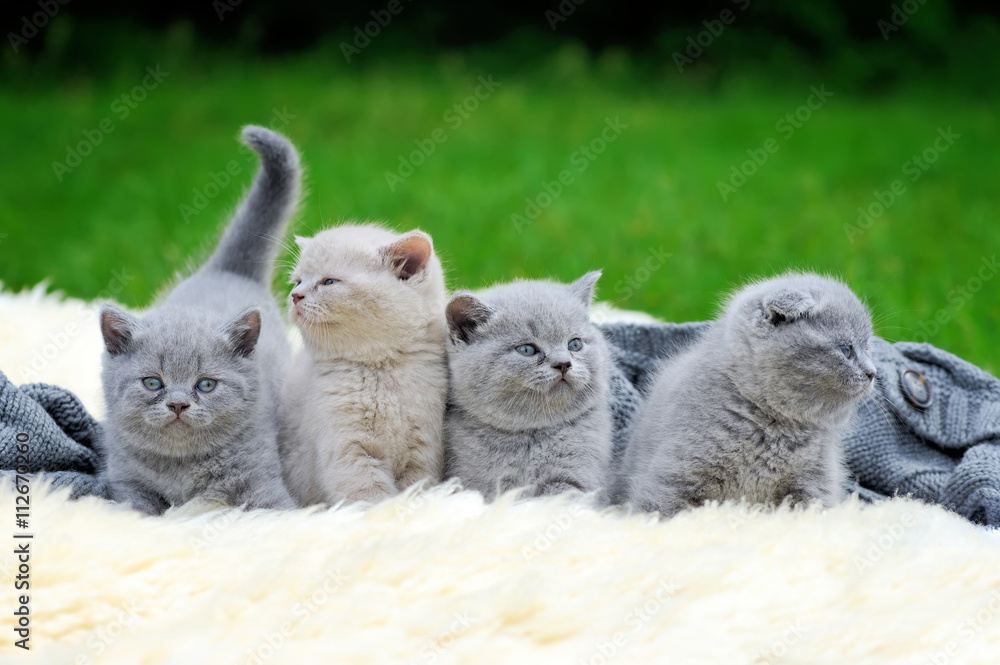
<point>436,576</point>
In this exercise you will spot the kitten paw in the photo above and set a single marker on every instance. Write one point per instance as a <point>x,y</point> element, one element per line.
<point>558,486</point>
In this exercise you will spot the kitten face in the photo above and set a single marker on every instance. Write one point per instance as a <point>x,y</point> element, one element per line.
<point>363,282</point>
<point>525,356</point>
<point>807,339</point>
<point>175,382</point>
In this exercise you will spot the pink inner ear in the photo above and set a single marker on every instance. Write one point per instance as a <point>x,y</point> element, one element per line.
<point>117,332</point>
<point>409,255</point>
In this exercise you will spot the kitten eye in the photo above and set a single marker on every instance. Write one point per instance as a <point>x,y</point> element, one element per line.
<point>152,383</point>
<point>296,281</point>
<point>526,350</point>
<point>847,350</point>
<point>206,385</point>
<point>575,344</point>
<point>330,280</point>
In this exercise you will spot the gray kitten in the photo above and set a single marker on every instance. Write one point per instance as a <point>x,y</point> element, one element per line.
<point>756,408</point>
<point>528,403</point>
<point>191,386</point>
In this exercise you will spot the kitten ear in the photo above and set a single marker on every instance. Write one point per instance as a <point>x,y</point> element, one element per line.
<point>302,242</point>
<point>786,305</point>
<point>243,332</point>
<point>583,288</point>
<point>465,313</point>
<point>117,328</point>
<point>408,255</point>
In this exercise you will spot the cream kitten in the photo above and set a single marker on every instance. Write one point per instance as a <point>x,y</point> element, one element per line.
<point>364,402</point>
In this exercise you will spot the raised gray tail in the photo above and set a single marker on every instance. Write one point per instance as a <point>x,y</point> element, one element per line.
<point>251,242</point>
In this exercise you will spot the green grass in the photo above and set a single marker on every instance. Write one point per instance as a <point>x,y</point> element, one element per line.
<point>654,186</point>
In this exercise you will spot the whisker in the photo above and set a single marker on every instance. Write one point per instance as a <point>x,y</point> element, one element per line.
<point>877,399</point>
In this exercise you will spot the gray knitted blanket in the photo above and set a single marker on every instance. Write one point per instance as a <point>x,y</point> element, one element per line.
<point>932,432</point>
<point>62,440</point>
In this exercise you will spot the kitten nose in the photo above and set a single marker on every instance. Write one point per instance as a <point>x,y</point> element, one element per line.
<point>177,407</point>
<point>870,373</point>
<point>562,366</point>
<point>296,297</point>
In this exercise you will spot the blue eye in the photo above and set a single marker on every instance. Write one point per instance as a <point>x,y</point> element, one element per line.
<point>330,280</point>
<point>526,350</point>
<point>575,344</point>
<point>847,350</point>
<point>152,383</point>
<point>206,385</point>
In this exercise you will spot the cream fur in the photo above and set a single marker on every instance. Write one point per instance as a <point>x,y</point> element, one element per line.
<point>363,405</point>
<point>440,577</point>
<point>46,337</point>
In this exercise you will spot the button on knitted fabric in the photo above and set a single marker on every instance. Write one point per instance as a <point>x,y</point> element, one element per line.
<point>946,453</point>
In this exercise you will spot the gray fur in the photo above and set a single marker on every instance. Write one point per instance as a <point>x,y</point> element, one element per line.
<point>220,323</point>
<point>756,409</point>
<point>251,242</point>
<point>507,426</point>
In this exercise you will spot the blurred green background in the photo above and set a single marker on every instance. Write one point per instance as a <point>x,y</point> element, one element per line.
<point>129,210</point>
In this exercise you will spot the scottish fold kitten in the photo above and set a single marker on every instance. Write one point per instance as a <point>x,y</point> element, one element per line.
<point>528,403</point>
<point>362,412</point>
<point>192,385</point>
<point>757,407</point>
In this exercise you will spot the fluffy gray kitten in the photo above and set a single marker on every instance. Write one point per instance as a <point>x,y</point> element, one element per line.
<point>528,400</point>
<point>191,386</point>
<point>757,407</point>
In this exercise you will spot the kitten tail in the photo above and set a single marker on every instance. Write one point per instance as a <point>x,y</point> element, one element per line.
<point>250,243</point>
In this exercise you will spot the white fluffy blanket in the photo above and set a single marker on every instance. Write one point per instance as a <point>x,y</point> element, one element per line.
<point>439,577</point>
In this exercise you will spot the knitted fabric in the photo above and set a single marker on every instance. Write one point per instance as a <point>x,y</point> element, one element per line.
<point>61,437</point>
<point>946,452</point>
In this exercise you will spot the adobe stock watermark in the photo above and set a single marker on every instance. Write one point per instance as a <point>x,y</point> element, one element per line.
<point>561,13</point>
<point>913,168</point>
<point>957,299</point>
<point>737,519</point>
<point>876,549</point>
<point>637,618</point>
<point>626,288</point>
<point>786,126</point>
<point>462,621</point>
<point>372,29</point>
<point>696,44</point>
<point>779,648</point>
<point>31,26</point>
<point>415,500</point>
<point>553,532</point>
<point>301,610</point>
<point>901,13</point>
<point>219,180</point>
<point>122,107</point>
<point>102,637</point>
<point>581,159</point>
<point>52,346</point>
<point>223,7</point>
<point>218,524</point>
<point>967,631</point>
<point>455,116</point>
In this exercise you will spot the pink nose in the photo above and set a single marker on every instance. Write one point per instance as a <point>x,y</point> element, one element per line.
<point>177,407</point>
<point>296,297</point>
